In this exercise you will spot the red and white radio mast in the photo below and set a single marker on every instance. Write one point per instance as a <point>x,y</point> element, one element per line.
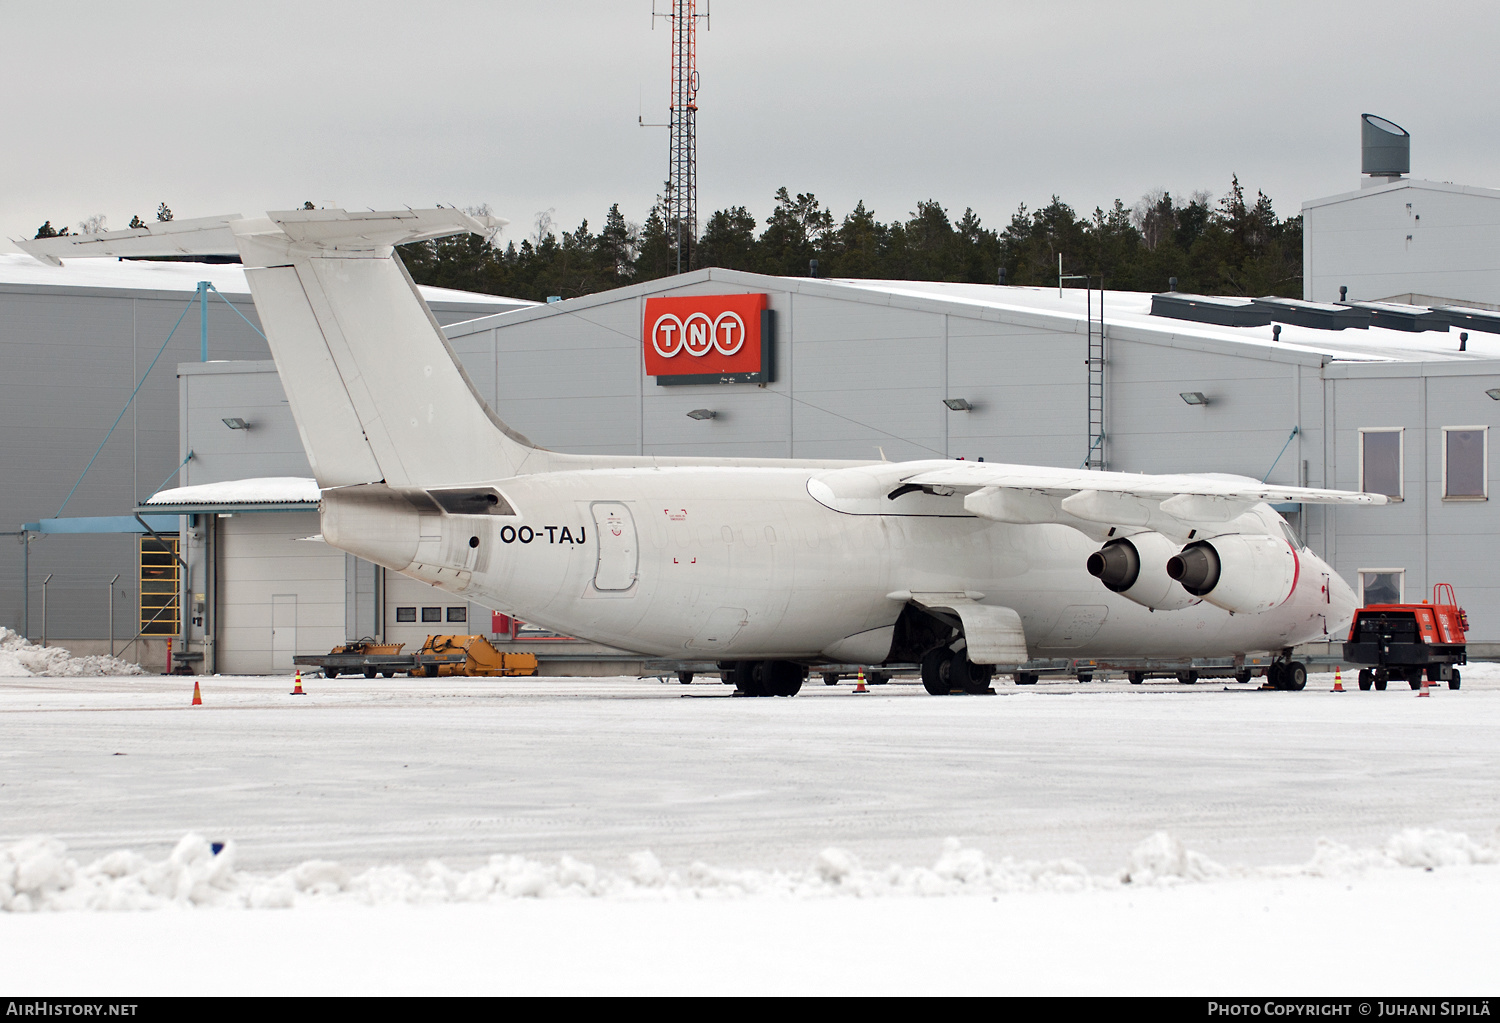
<point>682,179</point>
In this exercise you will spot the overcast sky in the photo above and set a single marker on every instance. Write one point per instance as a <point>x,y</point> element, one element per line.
<point>113,106</point>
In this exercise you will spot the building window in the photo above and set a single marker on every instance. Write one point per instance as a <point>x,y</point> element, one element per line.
<point>458,614</point>
<point>1382,461</point>
<point>432,614</point>
<point>406,614</point>
<point>1381,585</point>
<point>1465,461</point>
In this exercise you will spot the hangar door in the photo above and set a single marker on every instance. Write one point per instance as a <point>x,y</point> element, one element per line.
<point>278,594</point>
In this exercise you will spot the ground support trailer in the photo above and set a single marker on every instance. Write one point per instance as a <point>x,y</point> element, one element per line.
<point>1402,641</point>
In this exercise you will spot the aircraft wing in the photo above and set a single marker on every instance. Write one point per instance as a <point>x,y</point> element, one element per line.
<point>969,476</point>
<point>1182,506</point>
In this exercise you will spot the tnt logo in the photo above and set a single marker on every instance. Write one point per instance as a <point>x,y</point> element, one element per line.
<point>704,339</point>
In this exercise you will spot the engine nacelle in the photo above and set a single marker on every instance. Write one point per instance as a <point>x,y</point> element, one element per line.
<point>1239,573</point>
<point>1135,567</point>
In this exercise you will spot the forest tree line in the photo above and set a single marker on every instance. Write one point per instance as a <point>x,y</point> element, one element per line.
<point>1226,247</point>
<point>1230,247</point>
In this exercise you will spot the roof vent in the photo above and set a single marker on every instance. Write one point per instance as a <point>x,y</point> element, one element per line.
<point>1385,147</point>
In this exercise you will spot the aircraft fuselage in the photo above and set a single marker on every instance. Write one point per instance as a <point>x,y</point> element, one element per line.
<point>744,563</point>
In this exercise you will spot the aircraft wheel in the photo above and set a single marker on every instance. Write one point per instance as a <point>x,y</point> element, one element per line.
<point>1381,677</point>
<point>1454,680</point>
<point>1187,678</point>
<point>1244,676</point>
<point>830,678</point>
<point>1274,675</point>
<point>1294,677</point>
<point>877,678</point>
<point>975,678</point>
<point>1136,677</point>
<point>746,678</point>
<point>370,673</point>
<point>937,668</point>
<point>1366,679</point>
<point>784,678</point>
<point>387,674</point>
<point>685,677</point>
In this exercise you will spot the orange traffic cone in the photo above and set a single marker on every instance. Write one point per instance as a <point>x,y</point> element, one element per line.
<point>860,688</point>
<point>297,689</point>
<point>197,695</point>
<point>1338,679</point>
<point>1424,690</point>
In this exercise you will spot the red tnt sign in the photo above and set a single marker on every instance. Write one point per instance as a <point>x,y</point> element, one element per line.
<point>705,339</point>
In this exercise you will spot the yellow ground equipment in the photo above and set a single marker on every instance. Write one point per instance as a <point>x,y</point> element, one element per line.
<point>469,655</point>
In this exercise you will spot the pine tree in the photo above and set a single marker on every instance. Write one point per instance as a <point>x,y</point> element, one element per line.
<point>163,213</point>
<point>136,223</point>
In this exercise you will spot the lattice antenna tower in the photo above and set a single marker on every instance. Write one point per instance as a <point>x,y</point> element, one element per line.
<point>682,177</point>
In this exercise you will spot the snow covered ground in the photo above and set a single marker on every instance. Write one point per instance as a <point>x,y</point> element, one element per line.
<point>612,835</point>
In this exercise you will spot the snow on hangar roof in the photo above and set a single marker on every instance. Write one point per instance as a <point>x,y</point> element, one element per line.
<point>1127,315</point>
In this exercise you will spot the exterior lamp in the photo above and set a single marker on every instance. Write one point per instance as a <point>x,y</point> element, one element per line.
<point>703,413</point>
<point>958,404</point>
<point>236,423</point>
<point>1494,392</point>
<point>1194,397</point>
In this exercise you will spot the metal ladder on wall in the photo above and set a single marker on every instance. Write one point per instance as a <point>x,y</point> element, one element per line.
<point>1095,360</point>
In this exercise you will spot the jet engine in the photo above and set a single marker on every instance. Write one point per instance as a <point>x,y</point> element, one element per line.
<point>1135,568</point>
<point>1238,572</point>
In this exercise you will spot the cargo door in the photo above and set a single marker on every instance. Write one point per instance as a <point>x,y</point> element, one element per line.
<point>1077,626</point>
<point>618,551</point>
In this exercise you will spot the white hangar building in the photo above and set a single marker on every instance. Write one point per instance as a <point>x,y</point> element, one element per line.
<point>1401,239</point>
<point>1297,393</point>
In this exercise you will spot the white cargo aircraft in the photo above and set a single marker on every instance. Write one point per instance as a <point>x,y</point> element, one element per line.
<point>763,565</point>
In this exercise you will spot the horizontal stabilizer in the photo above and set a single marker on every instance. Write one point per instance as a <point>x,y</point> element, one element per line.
<point>206,236</point>
<point>268,241</point>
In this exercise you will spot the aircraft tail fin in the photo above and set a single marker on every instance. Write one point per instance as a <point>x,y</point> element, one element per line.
<point>377,391</point>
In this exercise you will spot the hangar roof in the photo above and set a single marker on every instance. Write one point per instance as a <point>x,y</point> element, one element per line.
<point>1127,314</point>
<point>20,272</point>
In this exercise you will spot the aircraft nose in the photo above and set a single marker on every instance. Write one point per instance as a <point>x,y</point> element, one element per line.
<point>1342,602</point>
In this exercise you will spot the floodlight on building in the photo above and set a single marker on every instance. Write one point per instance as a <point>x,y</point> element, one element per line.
<point>958,404</point>
<point>1494,392</point>
<point>236,423</point>
<point>1193,397</point>
<point>703,413</point>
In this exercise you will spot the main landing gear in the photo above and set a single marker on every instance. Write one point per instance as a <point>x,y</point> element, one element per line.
<point>944,671</point>
<point>764,678</point>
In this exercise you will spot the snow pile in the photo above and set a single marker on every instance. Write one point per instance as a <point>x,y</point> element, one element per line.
<point>20,658</point>
<point>37,874</point>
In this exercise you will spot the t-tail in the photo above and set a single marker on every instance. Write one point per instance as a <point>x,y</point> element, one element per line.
<point>376,390</point>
